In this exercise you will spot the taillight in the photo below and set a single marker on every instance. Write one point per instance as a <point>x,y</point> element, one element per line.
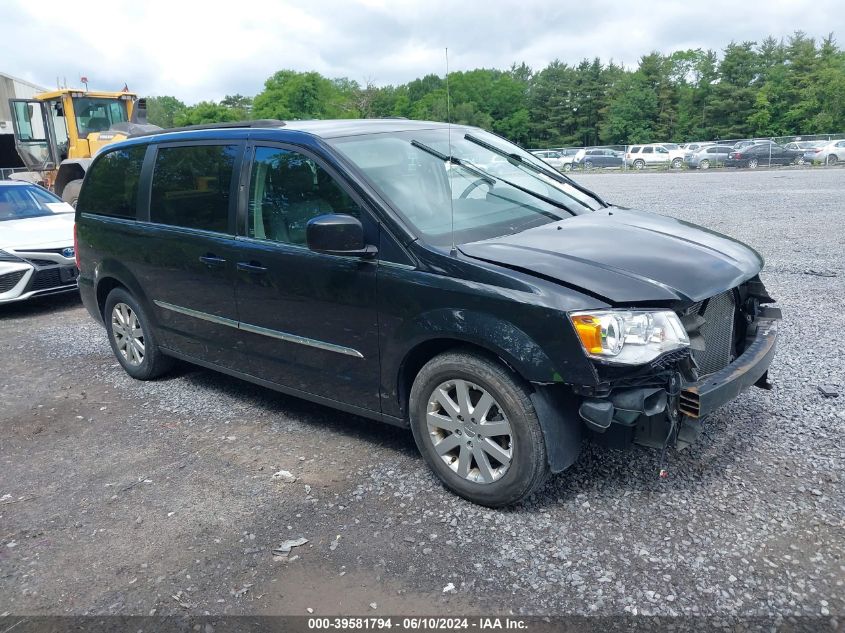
<point>737,155</point>
<point>75,246</point>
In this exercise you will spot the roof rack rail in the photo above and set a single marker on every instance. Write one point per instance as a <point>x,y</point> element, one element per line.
<point>257,123</point>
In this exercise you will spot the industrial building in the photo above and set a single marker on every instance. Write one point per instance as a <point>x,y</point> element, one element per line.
<point>11,88</point>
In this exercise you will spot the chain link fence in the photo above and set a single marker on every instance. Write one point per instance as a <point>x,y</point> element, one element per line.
<point>5,172</point>
<point>811,150</point>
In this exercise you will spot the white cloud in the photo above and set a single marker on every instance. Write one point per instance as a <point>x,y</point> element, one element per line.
<point>200,50</point>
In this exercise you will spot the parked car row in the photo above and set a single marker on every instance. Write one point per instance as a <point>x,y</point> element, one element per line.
<point>748,153</point>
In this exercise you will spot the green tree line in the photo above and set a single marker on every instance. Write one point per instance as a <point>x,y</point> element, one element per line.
<point>771,88</point>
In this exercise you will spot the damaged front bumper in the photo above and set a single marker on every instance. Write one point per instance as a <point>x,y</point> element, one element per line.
<point>651,413</point>
<point>700,398</point>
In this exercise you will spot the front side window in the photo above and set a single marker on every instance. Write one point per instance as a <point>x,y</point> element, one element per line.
<point>488,188</point>
<point>192,186</point>
<point>287,189</point>
<point>95,114</point>
<point>111,186</point>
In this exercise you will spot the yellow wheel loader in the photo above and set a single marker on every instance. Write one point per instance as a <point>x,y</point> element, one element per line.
<point>57,133</point>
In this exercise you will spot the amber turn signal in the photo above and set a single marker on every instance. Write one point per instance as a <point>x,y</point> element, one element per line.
<point>589,331</point>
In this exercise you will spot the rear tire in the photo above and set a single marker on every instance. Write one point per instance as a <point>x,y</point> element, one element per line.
<point>498,456</point>
<point>704,164</point>
<point>832,159</point>
<point>677,163</point>
<point>588,165</point>
<point>132,338</point>
<point>70,193</point>
<point>639,163</point>
<point>567,167</point>
<point>753,163</point>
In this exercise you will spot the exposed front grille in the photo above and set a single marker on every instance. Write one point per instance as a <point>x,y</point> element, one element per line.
<point>43,262</point>
<point>718,332</point>
<point>8,281</point>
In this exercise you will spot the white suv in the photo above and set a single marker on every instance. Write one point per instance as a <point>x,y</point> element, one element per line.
<point>641,156</point>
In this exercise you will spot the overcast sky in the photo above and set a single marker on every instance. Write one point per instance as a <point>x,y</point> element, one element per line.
<point>195,51</point>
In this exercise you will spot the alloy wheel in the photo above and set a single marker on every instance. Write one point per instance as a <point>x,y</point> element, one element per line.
<point>469,431</point>
<point>705,164</point>
<point>128,334</point>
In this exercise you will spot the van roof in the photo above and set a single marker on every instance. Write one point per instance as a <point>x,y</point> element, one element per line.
<point>330,128</point>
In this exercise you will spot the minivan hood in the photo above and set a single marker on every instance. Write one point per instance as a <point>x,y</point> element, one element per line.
<point>46,231</point>
<point>624,256</point>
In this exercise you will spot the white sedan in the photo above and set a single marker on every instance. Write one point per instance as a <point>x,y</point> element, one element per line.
<point>36,243</point>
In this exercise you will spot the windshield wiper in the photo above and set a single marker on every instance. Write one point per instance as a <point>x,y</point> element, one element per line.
<point>488,177</point>
<point>455,161</point>
<point>516,158</point>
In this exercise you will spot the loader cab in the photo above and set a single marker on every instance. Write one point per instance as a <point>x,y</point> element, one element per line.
<point>57,133</point>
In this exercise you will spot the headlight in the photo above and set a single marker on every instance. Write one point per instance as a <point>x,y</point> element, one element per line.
<point>628,337</point>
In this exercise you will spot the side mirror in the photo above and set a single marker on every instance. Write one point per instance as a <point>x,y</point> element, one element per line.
<point>338,234</point>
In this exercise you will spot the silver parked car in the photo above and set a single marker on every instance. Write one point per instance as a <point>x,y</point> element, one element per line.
<point>829,153</point>
<point>710,156</point>
<point>804,146</point>
<point>36,243</point>
<point>552,157</point>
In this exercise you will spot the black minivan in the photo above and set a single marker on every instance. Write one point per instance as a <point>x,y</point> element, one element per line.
<point>431,276</point>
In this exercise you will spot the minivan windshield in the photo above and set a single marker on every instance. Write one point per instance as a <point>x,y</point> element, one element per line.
<point>463,185</point>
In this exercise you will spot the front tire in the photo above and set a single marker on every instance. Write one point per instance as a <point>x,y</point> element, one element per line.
<point>132,337</point>
<point>704,164</point>
<point>476,427</point>
<point>567,167</point>
<point>70,193</point>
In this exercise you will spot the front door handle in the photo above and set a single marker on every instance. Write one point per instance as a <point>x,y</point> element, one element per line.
<point>212,260</point>
<point>251,267</point>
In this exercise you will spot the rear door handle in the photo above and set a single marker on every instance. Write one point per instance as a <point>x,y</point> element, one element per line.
<point>251,267</point>
<point>212,260</point>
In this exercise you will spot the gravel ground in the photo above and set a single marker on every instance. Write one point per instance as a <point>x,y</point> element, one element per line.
<point>135,498</point>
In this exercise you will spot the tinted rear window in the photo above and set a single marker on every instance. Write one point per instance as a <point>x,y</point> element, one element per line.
<point>634,149</point>
<point>191,186</point>
<point>111,185</point>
